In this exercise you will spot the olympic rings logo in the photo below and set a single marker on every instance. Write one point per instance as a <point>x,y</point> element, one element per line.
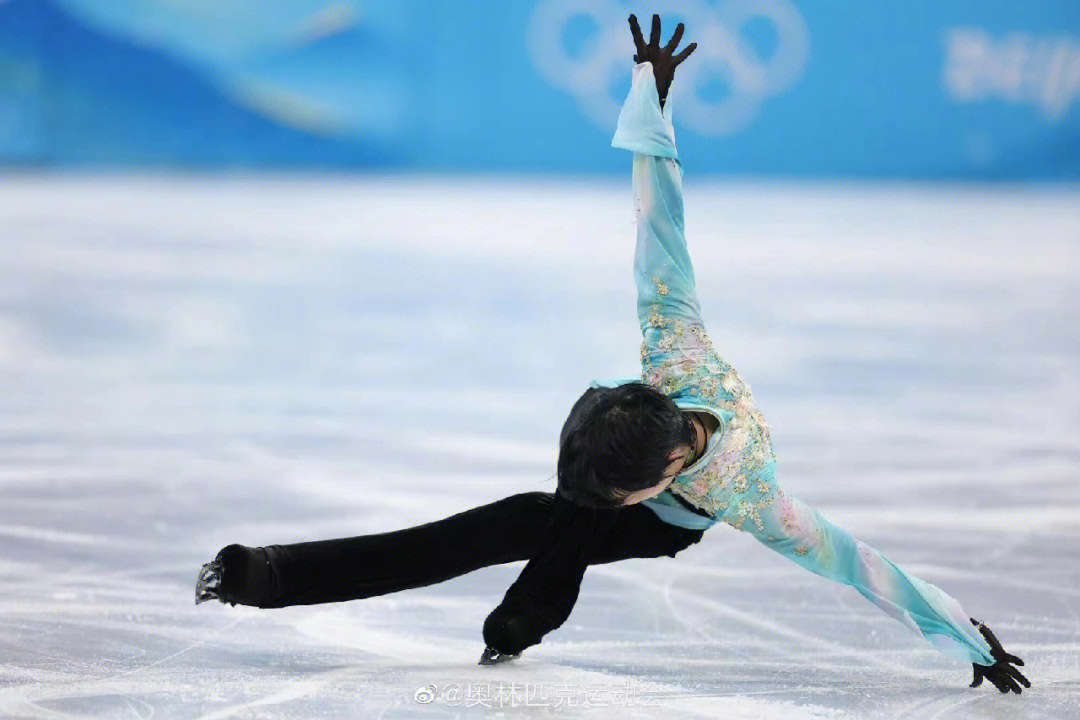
<point>723,54</point>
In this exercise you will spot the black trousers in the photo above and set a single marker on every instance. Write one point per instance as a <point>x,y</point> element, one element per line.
<point>558,538</point>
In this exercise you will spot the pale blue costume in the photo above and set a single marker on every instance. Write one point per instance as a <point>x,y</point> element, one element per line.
<point>734,481</point>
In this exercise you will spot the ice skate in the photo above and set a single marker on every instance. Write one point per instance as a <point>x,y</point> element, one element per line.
<point>238,575</point>
<point>208,586</point>
<point>492,656</point>
<point>209,583</point>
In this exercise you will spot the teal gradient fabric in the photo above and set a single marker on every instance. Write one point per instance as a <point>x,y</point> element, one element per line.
<point>734,481</point>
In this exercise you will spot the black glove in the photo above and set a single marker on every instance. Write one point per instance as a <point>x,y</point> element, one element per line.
<point>1001,673</point>
<point>663,62</point>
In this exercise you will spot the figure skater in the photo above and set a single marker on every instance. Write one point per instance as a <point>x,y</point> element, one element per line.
<point>645,466</point>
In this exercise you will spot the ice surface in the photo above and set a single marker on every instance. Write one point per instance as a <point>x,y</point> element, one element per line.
<point>188,362</point>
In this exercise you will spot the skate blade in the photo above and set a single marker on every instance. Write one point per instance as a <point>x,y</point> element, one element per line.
<point>492,656</point>
<point>206,587</point>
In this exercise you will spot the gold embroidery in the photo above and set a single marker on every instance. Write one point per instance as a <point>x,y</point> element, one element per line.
<point>709,386</point>
<point>691,365</point>
<point>660,287</point>
<point>801,550</point>
<point>656,319</point>
<point>702,336</point>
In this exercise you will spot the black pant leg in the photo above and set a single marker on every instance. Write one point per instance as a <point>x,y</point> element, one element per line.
<point>507,530</point>
<point>638,533</point>
<point>544,594</point>
<point>368,565</point>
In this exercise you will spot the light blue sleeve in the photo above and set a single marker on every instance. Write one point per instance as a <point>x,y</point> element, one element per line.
<point>800,533</point>
<point>661,262</point>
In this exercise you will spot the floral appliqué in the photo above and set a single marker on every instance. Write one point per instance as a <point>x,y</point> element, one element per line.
<point>677,357</point>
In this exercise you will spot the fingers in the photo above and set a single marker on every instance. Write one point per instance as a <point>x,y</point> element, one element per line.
<point>684,54</point>
<point>1004,682</point>
<point>1005,678</point>
<point>639,42</point>
<point>989,635</point>
<point>1019,676</point>
<point>997,678</point>
<point>644,52</point>
<point>675,38</point>
<point>999,652</point>
<point>995,644</point>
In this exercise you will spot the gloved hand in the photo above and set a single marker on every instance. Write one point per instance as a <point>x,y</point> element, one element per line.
<point>1001,673</point>
<point>663,63</point>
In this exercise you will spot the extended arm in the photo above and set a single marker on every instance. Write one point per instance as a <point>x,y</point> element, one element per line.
<point>662,266</point>
<point>800,533</point>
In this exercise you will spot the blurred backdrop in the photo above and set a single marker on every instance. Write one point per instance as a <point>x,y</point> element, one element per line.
<point>963,89</point>
<point>278,271</point>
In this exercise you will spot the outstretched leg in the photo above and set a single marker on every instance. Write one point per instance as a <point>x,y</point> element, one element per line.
<point>369,565</point>
<point>510,529</point>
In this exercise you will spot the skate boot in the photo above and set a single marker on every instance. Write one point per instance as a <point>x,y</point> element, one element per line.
<point>239,575</point>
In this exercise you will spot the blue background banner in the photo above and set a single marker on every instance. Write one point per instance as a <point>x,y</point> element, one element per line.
<point>963,89</point>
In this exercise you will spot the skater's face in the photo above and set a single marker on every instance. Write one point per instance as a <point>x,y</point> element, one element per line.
<point>678,462</point>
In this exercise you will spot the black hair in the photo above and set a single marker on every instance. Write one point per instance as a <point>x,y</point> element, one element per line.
<point>616,441</point>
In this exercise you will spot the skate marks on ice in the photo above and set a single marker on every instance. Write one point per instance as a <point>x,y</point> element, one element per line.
<point>266,362</point>
<point>412,658</point>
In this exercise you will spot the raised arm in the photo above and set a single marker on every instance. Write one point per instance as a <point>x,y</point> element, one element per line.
<point>662,268</point>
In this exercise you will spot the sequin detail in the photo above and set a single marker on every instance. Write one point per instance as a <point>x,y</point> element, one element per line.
<point>678,358</point>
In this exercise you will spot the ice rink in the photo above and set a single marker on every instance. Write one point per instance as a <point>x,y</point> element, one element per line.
<point>189,362</point>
